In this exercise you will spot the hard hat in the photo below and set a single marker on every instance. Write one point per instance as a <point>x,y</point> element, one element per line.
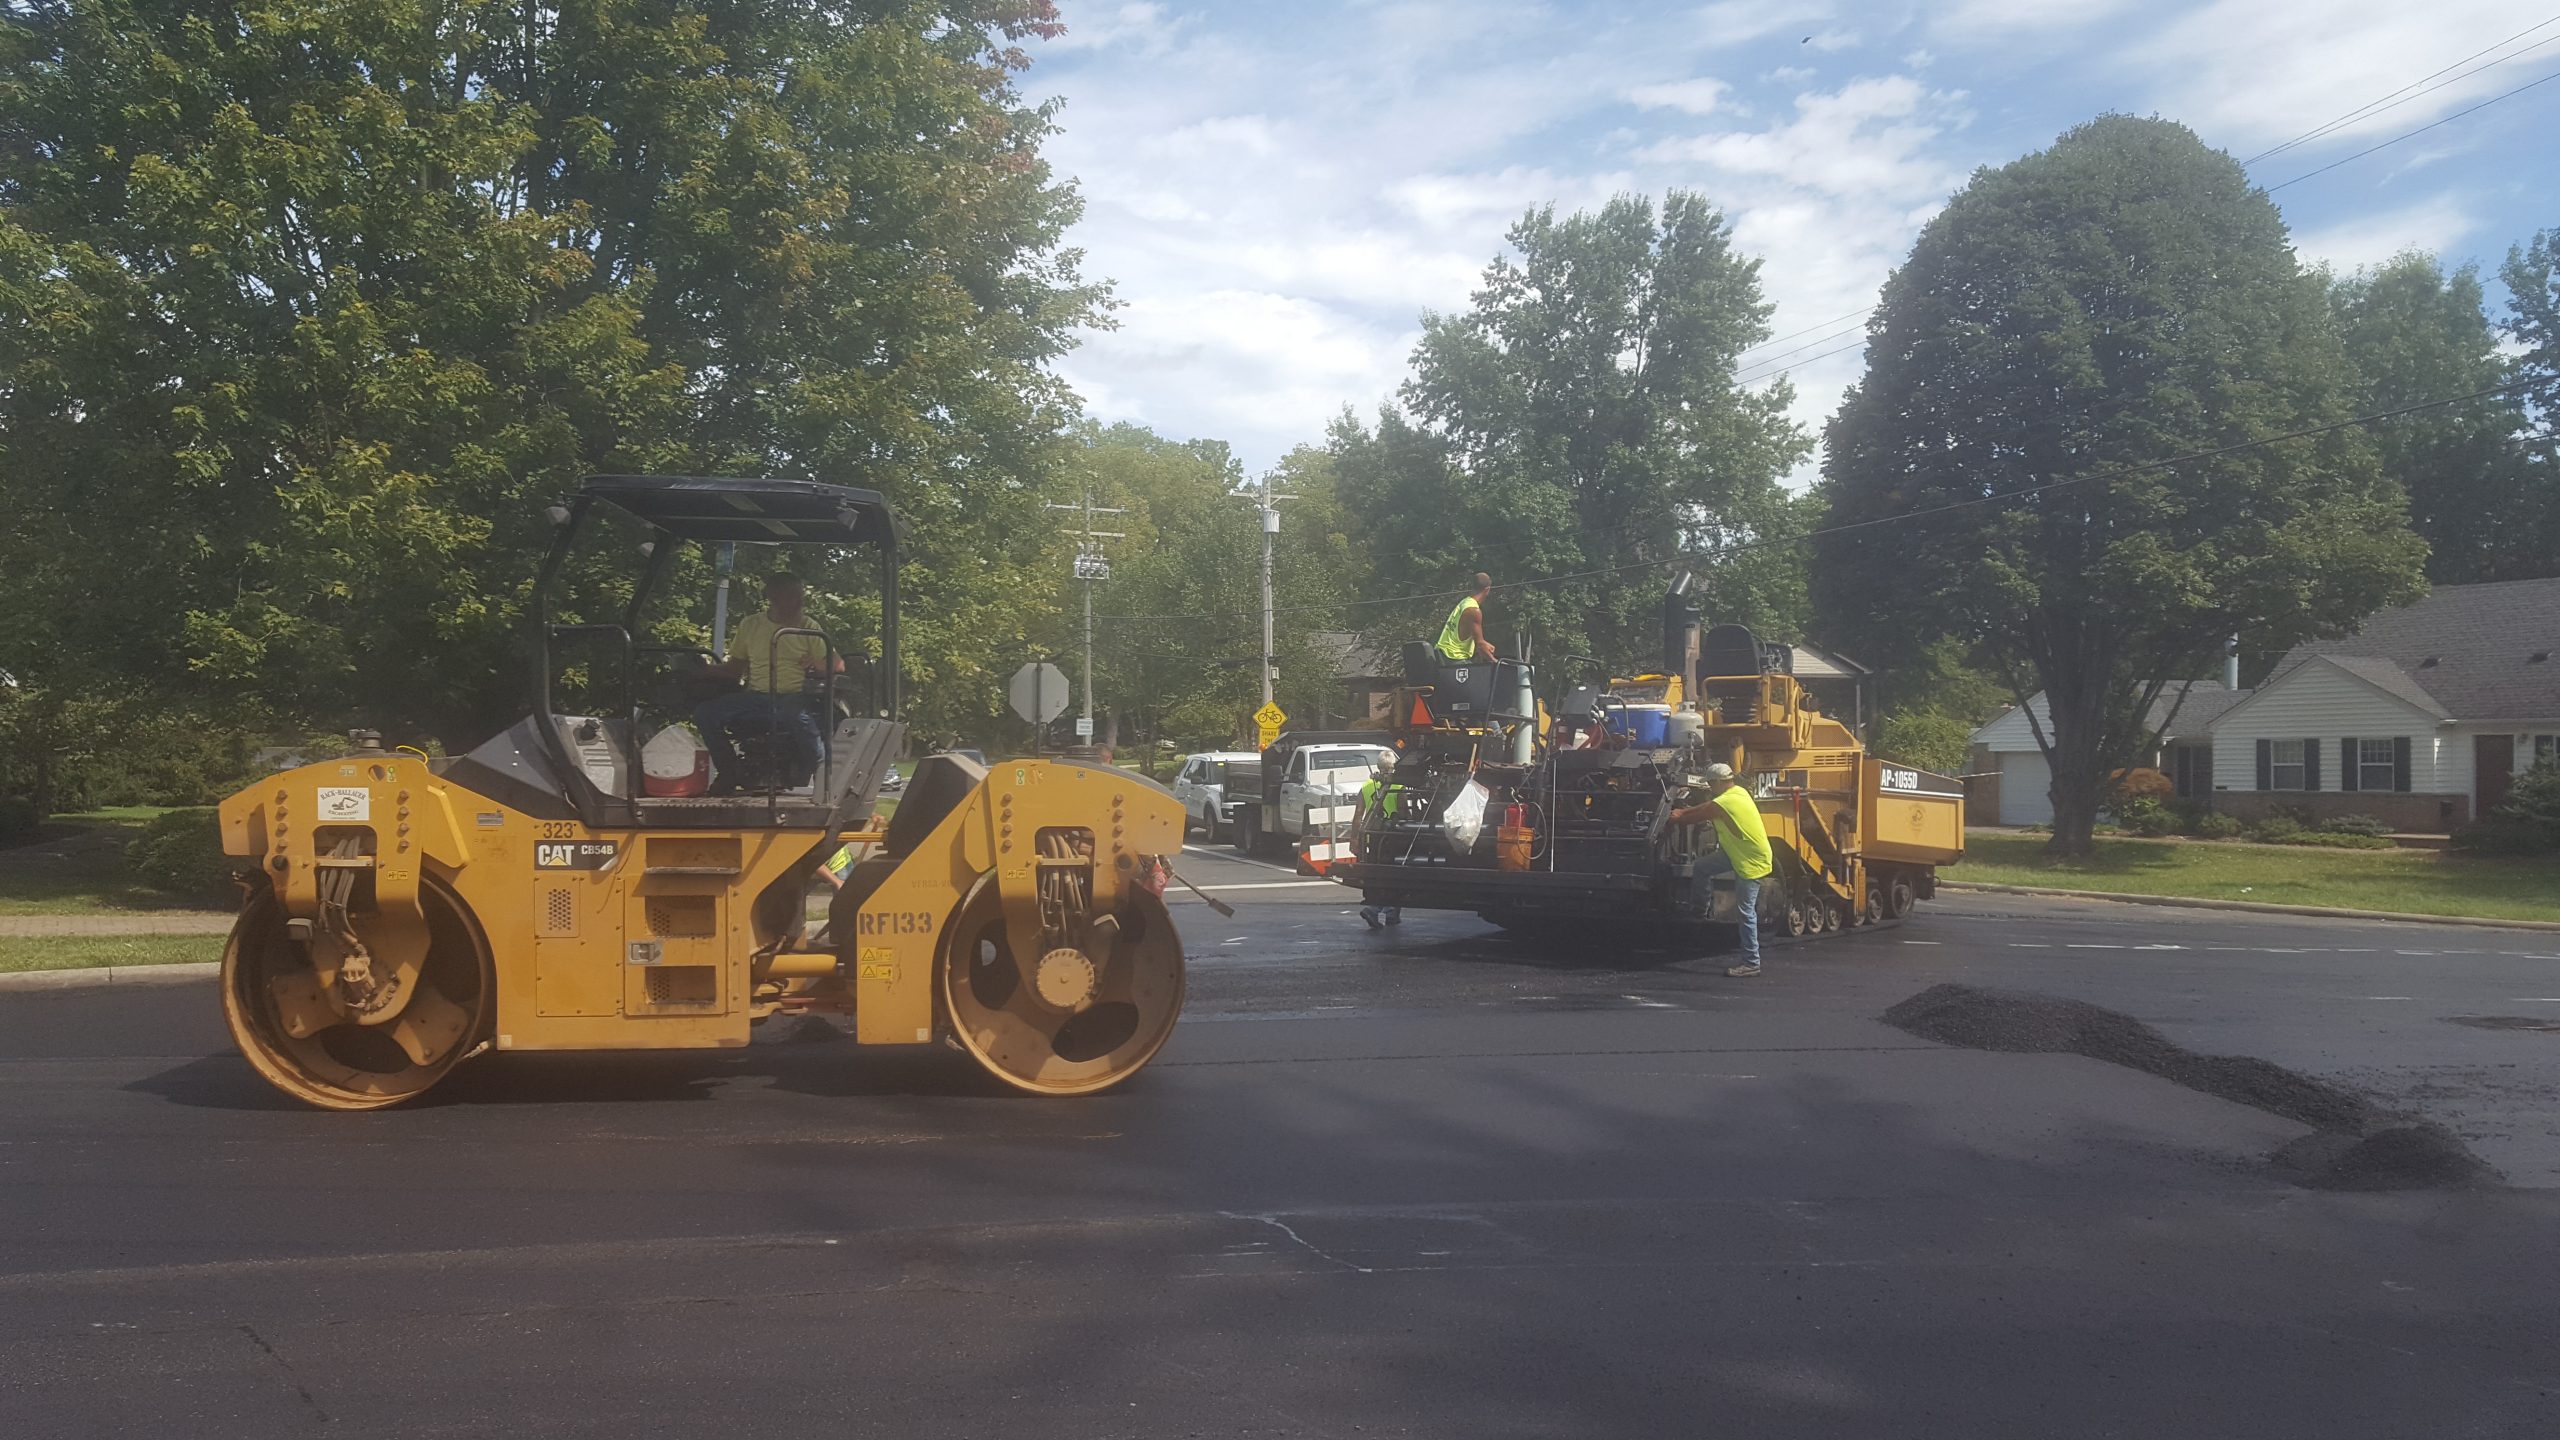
<point>1719,772</point>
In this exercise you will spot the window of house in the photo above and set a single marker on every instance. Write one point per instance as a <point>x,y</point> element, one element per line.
<point>2285,767</point>
<point>2375,769</point>
<point>2545,747</point>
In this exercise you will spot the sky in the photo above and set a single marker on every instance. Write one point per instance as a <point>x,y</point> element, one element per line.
<point>1278,191</point>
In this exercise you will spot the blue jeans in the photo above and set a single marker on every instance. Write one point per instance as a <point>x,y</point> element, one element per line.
<point>1746,899</point>
<point>785,717</point>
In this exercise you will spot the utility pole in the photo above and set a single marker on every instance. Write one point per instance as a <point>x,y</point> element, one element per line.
<point>1269,506</point>
<point>1089,567</point>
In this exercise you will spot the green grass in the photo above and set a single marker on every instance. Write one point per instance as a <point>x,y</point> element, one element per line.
<point>2418,882</point>
<point>84,952</point>
<point>78,869</point>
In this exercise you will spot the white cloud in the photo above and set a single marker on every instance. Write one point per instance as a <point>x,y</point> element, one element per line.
<point>2251,74</point>
<point>2432,225</point>
<point>1141,27</point>
<point>1739,22</point>
<point>1983,19</point>
<point>1695,97</point>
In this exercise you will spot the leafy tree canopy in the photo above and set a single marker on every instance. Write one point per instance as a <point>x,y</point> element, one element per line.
<point>1581,419</point>
<point>2418,335</point>
<point>307,308</point>
<point>2068,323</point>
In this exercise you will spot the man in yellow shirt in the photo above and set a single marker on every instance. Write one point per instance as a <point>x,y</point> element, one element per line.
<point>1462,638</point>
<point>1744,842</point>
<point>776,668</point>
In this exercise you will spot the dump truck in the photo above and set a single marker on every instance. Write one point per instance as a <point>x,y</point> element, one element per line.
<point>1549,821</point>
<point>548,890</point>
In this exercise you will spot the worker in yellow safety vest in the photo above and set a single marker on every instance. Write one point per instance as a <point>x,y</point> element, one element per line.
<point>1744,843</point>
<point>1380,798</point>
<point>1463,637</point>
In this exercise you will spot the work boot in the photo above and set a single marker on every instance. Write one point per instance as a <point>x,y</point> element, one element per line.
<point>1743,972</point>
<point>1369,916</point>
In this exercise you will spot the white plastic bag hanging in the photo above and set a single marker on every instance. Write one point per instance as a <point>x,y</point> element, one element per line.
<point>1462,819</point>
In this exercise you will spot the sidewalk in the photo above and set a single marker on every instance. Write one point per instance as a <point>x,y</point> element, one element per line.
<point>155,922</point>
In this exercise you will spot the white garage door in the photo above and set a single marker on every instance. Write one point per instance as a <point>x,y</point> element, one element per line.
<point>2024,781</point>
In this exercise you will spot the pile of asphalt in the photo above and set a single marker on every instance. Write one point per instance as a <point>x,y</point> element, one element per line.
<point>2357,1145</point>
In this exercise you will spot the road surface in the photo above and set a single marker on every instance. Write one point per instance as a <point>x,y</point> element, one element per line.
<point>1421,1183</point>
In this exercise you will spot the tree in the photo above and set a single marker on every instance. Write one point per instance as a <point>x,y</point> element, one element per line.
<point>331,298</point>
<point>1582,419</point>
<point>2065,335</point>
<point>2532,275</point>
<point>1178,645</point>
<point>2418,335</point>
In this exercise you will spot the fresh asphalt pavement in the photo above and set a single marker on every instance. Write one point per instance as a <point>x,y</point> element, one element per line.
<point>1428,1181</point>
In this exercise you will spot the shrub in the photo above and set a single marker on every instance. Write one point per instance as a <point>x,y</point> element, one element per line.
<point>2275,830</point>
<point>180,853</point>
<point>1929,739</point>
<point>2355,825</point>
<point>2527,823</point>
<point>19,820</point>
<point>2140,784</point>
<point>2147,815</point>
<point>2214,825</point>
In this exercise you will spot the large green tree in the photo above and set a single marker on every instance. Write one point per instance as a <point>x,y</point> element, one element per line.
<point>307,306</point>
<point>1178,641</point>
<point>2418,335</point>
<point>1581,419</point>
<point>2014,468</point>
<point>2532,276</point>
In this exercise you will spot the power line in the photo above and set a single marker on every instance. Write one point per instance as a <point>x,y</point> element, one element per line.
<point>1809,329</point>
<point>2421,130</point>
<point>1742,546</point>
<point>1754,379</point>
<point>2410,91</point>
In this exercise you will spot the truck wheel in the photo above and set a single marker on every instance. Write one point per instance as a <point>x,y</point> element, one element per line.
<point>1792,919</point>
<point>1898,897</point>
<point>1874,914</point>
<point>1247,831</point>
<point>1209,826</point>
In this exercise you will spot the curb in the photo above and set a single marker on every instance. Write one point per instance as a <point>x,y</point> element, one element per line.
<point>2193,902</point>
<point>95,976</point>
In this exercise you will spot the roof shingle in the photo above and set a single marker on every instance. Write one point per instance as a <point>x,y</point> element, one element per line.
<point>2481,638</point>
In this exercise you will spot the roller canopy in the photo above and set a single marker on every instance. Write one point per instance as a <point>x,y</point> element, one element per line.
<point>714,508</point>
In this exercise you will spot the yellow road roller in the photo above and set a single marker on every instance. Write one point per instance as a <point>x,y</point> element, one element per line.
<point>554,890</point>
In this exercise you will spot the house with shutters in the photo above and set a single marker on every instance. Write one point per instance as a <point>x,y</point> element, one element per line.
<point>2421,719</point>
<point>2012,783</point>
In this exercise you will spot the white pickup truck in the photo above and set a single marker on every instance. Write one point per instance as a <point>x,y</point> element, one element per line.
<point>1203,788</point>
<point>1307,786</point>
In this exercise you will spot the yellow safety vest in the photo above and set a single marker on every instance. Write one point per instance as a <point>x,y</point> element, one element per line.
<point>1454,643</point>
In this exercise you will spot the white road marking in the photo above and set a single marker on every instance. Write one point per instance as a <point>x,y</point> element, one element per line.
<point>2386,997</point>
<point>2159,947</point>
<point>2080,945</point>
<point>1272,884</point>
<point>2535,1000</point>
<point>2413,952</point>
<point>1238,859</point>
<point>1922,942</point>
<point>2027,945</point>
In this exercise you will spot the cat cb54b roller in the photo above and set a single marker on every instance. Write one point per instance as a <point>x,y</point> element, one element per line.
<point>550,891</point>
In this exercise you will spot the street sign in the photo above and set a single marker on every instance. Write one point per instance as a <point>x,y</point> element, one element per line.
<point>1084,727</point>
<point>1038,692</point>
<point>1270,718</point>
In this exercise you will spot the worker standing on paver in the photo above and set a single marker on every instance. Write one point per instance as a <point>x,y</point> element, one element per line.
<point>1744,845</point>
<point>1380,799</point>
<point>1462,638</point>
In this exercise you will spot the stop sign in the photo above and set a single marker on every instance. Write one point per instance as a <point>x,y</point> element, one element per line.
<point>1038,692</point>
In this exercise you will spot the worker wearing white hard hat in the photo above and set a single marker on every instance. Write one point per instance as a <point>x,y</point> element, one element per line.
<point>1380,799</point>
<point>1742,843</point>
